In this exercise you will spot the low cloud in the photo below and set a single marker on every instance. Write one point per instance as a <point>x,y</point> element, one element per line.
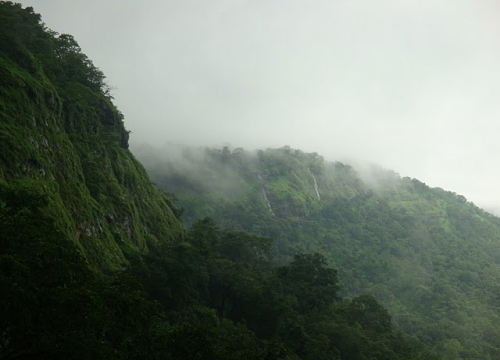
<point>412,86</point>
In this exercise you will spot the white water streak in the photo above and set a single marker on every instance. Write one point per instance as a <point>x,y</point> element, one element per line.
<point>265,195</point>
<point>267,201</point>
<point>315,184</point>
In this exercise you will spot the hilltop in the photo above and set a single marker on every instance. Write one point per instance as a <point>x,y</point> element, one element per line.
<point>428,254</point>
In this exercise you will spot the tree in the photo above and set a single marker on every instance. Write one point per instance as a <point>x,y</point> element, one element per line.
<point>367,312</point>
<point>310,280</point>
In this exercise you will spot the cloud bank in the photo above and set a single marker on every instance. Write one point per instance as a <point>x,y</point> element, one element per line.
<point>412,86</point>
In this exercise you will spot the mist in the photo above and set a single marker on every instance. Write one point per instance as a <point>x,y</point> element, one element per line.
<point>412,86</point>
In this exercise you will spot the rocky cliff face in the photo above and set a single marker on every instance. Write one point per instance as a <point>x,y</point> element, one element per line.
<point>61,135</point>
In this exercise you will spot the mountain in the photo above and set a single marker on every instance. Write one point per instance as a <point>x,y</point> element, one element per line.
<point>430,256</point>
<point>61,135</point>
<point>95,263</point>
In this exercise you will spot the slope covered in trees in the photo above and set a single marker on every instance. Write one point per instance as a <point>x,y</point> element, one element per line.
<point>94,263</point>
<point>60,133</point>
<point>427,254</point>
<point>215,295</point>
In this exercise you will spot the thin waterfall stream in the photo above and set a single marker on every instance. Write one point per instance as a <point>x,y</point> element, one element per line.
<point>315,184</point>
<point>265,196</point>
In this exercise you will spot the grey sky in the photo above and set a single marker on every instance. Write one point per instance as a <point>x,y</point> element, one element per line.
<point>411,85</point>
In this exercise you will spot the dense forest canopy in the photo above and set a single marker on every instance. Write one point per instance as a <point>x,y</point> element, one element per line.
<point>430,256</point>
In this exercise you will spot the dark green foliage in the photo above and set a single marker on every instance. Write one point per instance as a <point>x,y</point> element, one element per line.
<point>221,278</point>
<point>52,305</point>
<point>313,284</point>
<point>222,299</point>
<point>367,312</point>
<point>427,254</point>
<point>59,126</point>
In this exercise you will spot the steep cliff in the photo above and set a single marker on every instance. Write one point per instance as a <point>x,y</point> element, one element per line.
<point>61,135</point>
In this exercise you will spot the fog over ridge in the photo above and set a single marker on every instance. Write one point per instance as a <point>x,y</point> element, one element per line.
<point>411,86</point>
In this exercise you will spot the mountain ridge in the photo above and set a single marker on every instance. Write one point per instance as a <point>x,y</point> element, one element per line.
<point>428,254</point>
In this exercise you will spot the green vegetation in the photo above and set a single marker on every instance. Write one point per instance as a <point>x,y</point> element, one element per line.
<point>214,295</point>
<point>428,255</point>
<point>59,126</point>
<point>95,264</point>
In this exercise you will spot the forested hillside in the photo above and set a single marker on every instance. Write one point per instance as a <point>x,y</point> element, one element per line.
<point>429,255</point>
<point>61,135</point>
<point>95,264</point>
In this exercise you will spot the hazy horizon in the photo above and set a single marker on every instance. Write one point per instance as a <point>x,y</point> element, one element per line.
<point>410,86</point>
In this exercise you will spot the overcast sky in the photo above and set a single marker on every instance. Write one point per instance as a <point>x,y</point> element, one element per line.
<point>411,85</point>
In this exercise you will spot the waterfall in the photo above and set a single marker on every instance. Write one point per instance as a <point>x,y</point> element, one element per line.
<point>315,185</point>
<point>267,201</point>
<point>265,195</point>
